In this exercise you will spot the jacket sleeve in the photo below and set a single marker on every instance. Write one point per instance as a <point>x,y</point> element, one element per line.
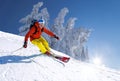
<point>48,32</point>
<point>30,32</point>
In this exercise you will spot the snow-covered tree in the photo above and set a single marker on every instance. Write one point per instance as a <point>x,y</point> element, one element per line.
<point>72,39</point>
<point>68,33</point>
<point>86,55</point>
<point>35,14</point>
<point>58,28</point>
<point>80,36</point>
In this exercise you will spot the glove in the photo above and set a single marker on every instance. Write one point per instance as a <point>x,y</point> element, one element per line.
<point>25,44</point>
<point>56,37</point>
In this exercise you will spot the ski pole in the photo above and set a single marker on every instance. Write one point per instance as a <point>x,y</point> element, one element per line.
<point>17,49</point>
<point>13,50</point>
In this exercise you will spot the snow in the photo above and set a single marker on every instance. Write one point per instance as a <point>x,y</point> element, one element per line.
<point>18,65</point>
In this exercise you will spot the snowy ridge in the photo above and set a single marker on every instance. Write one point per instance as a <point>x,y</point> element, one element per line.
<point>18,65</point>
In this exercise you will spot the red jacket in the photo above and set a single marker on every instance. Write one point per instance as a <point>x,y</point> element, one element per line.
<point>33,34</point>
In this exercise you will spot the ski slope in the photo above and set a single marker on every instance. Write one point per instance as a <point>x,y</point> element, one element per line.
<point>30,65</point>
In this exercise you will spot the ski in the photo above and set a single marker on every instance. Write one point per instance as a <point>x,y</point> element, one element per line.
<point>61,58</point>
<point>59,61</point>
<point>36,62</point>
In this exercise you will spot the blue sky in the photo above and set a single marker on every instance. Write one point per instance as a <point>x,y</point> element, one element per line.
<point>102,16</point>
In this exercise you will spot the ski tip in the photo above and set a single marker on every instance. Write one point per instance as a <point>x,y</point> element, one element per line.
<point>66,60</point>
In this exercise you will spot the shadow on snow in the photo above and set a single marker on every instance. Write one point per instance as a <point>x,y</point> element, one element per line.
<point>16,59</point>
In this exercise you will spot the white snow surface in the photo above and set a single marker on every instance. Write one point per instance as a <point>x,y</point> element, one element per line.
<point>18,65</point>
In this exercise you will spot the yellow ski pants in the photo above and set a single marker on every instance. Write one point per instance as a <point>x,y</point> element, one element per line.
<point>42,44</point>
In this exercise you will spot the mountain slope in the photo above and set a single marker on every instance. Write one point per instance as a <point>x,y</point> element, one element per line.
<point>18,65</point>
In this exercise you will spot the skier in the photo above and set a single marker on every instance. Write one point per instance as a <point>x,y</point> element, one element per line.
<point>35,34</point>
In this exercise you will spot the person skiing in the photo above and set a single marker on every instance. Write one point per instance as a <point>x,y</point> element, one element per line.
<point>36,38</point>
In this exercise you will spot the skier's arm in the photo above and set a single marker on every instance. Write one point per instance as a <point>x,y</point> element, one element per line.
<point>30,32</point>
<point>49,33</point>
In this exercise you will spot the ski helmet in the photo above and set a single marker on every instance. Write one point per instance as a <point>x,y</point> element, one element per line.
<point>41,21</point>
